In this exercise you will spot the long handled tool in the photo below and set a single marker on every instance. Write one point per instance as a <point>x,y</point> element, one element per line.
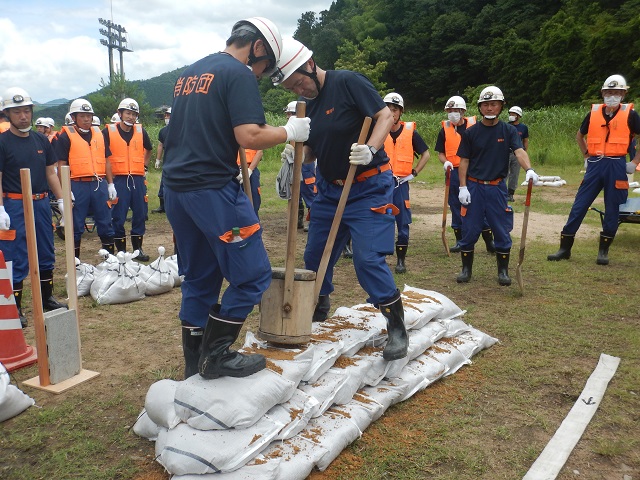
<point>245,174</point>
<point>324,261</point>
<point>447,184</point>
<point>523,237</point>
<point>289,265</point>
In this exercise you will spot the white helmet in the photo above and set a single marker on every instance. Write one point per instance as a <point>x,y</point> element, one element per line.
<point>95,121</point>
<point>168,111</point>
<point>394,98</point>
<point>129,104</point>
<point>42,122</point>
<point>80,105</point>
<point>291,107</point>
<point>456,102</point>
<point>516,110</point>
<point>615,82</point>
<point>16,97</point>
<point>270,33</point>
<point>115,118</point>
<point>489,94</point>
<point>50,122</point>
<point>294,55</point>
<point>68,119</point>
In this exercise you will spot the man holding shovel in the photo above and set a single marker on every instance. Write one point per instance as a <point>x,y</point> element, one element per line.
<point>338,101</point>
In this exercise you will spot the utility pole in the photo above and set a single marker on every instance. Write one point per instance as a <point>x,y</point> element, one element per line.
<point>116,39</point>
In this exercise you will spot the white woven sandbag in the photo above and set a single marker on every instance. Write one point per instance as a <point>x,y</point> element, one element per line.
<point>172,263</point>
<point>325,389</point>
<point>229,402</point>
<point>415,381</point>
<point>191,451</point>
<point>334,433</point>
<point>260,468</point>
<point>85,273</point>
<point>126,287</point>
<point>454,325</point>
<point>157,275</point>
<point>12,400</point>
<point>436,329</point>
<point>419,341</point>
<point>378,366</point>
<point>367,317</point>
<point>296,457</point>
<point>294,414</point>
<point>429,367</point>
<point>384,393</point>
<point>482,339</point>
<point>325,353</point>
<point>449,356</point>
<point>419,309</point>
<point>145,427</point>
<point>356,369</point>
<point>352,332</point>
<point>355,412</point>
<point>362,399</point>
<point>449,308</point>
<point>109,262</point>
<point>159,403</point>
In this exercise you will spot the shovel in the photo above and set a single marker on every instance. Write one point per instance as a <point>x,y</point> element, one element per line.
<point>447,183</point>
<point>523,236</point>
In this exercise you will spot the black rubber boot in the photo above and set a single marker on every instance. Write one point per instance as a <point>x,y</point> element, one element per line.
<point>564,253</point>
<point>120,244</point>
<point>348,251</point>
<point>487,236</point>
<point>76,248</point>
<point>458,233</point>
<point>191,347</point>
<point>136,244</point>
<point>108,243</point>
<point>321,311</point>
<point>603,251</point>
<point>216,359</point>
<point>467,266</point>
<point>503,268</point>
<point>510,197</point>
<point>401,253</point>
<point>300,215</point>
<point>160,209</point>
<point>398,341</point>
<point>17,294</point>
<point>46,288</point>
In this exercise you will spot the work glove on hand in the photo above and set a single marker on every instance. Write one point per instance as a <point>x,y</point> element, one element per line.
<point>111,188</point>
<point>464,196</point>
<point>532,175</point>
<point>360,155</point>
<point>402,180</point>
<point>447,165</point>
<point>287,154</point>
<point>158,163</point>
<point>239,177</point>
<point>631,167</point>
<point>60,204</point>
<point>298,129</point>
<point>5,221</point>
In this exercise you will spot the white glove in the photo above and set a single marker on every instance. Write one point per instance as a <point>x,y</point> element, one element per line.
<point>402,180</point>
<point>447,165</point>
<point>5,221</point>
<point>111,188</point>
<point>532,175</point>
<point>158,163</point>
<point>73,197</point>
<point>360,155</point>
<point>287,154</point>
<point>631,167</point>
<point>464,196</point>
<point>239,177</point>
<point>298,129</point>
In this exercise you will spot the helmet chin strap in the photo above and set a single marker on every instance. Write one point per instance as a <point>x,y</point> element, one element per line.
<point>252,57</point>
<point>313,75</point>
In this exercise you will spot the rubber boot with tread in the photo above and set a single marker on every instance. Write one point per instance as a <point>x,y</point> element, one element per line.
<point>136,244</point>
<point>503,268</point>
<point>467,266</point>
<point>401,253</point>
<point>603,250</point>
<point>456,248</point>
<point>564,253</point>
<point>46,288</point>
<point>120,244</point>
<point>397,341</point>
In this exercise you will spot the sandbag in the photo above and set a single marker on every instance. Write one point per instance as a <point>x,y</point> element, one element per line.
<point>12,400</point>
<point>159,403</point>
<point>157,275</point>
<point>118,286</point>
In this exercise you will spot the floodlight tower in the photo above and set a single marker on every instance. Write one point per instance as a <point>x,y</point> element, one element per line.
<point>116,39</point>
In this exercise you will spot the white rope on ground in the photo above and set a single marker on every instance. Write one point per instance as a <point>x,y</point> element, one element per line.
<point>557,451</point>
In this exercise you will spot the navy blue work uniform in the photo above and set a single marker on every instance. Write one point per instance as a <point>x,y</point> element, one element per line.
<point>203,200</point>
<point>514,165</point>
<point>308,189</point>
<point>603,173</point>
<point>33,152</point>
<point>487,148</point>
<point>162,135</point>
<point>337,114</point>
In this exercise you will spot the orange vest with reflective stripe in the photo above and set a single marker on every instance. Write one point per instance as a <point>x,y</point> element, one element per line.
<point>126,159</point>
<point>452,140</point>
<point>86,160</point>
<point>250,154</point>
<point>613,139</point>
<point>4,126</point>
<point>400,152</point>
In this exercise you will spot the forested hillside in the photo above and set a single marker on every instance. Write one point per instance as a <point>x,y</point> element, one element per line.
<point>540,52</point>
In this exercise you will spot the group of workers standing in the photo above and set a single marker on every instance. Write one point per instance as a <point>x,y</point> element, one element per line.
<point>217,109</point>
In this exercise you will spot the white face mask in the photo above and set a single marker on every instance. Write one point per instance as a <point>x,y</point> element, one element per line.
<point>490,117</point>
<point>25,130</point>
<point>612,101</point>
<point>166,121</point>
<point>454,117</point>
<point>512,118</point>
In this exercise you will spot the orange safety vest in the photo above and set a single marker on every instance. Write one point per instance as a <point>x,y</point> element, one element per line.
<point>126,159</point>
<point>4,126</point>
<point>400,152</point>
<point>612,139</point>
<point>52,135</point>
<point>250,154</point>
<point>452,140</point>
<point>86,160</point>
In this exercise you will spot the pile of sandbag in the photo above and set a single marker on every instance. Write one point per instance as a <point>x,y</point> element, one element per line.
<point>12,400</point>
<point>548,181</point>
<point>309,403</point>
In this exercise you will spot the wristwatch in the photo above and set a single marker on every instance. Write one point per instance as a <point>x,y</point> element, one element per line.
<point>374,150</point>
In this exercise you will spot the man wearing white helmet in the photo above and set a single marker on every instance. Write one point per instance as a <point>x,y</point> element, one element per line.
<point>337,103</point>
<point>216,109</point>
<point>484,163</point>
<point>21,147</point>
<point>162,135</point>
<point>115,118</point>
<point>81,146</point>
<point>515,114</point>
<point>42,126</point>
<point>402,143</point>
<point>130,150</point>
<point>603,139</point>
<point>52,133</point>
<point>447,145</point>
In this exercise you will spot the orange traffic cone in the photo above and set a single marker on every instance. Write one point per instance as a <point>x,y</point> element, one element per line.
<point>14,351</point>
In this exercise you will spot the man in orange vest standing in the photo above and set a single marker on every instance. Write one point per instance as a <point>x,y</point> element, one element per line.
<point>4,120</point>
<point>81,146</point>
<point>130,147</point>
<point>402,143</point>
<point>608,129</point>
<point>447,148</point>
<point>253,160</point>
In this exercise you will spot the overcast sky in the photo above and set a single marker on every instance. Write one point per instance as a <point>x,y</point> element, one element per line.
<point>52,48</point>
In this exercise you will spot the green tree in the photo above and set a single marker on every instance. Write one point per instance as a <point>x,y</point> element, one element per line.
<point>357,58</point>
<point>106,100</point>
